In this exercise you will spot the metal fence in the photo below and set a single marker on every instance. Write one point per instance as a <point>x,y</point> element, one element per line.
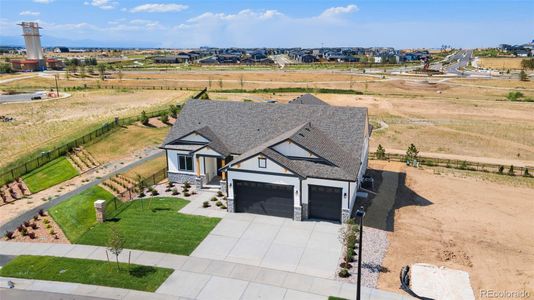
<point>122,201</point>
<point>44,157</point>
<point>457,164</point>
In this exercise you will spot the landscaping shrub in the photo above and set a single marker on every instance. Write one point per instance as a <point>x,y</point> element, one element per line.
<point>26,223</point>
<point>164,118</point>
<point>187,184</point>
<point>463,165</point>
<point>526,173</point>
<point>186,194</point>
<point>173,111</point>
<point>380,152</point>
<point>344,273</point>
<point>218,203</point>
<point>48,226</point>
<point>20,228</point>
<point>51,232</point>
<point>175,192</point>
<point>220,194</point>
<point>345,265</point>
<point>206,204</point>
<point>9,235</point>
<point>214,199</point>
<point>24,231</point>
<point>31,235</point>
<point>511,171</point>
<point>193,192</point>
<point>144,119</point>
<point>35,218</point>
<point>154,192</point>
<point>501,170</point>
<point>223,206</point>
<point>34,226</point>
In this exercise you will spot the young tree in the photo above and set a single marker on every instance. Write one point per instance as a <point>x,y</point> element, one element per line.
<point>241,81</point>
<point>501,170</point>
<point>526,173</point>
<point>380,152</point>
<point>101,70</point>
<point>144,119</point>
<point>164,118</point>
<point>220,83</point>
<point>411,153</point>
<point>347,237</point>
<point>116,242</point>
<point>91,69</point>
<point>120,74</point>
<point>209,82</point>
<point>511,171</point>
<point>173,111</point>
<point>523,75</point>
<point>82,71</point>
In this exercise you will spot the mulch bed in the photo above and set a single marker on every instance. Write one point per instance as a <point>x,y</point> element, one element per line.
<point>42,232</point>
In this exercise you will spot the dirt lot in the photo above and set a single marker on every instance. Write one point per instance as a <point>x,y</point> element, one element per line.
<point>470,224</point>
<point>42,124</point>
<point>504,63</point>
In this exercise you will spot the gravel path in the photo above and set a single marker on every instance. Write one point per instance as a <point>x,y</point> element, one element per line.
<point>375,245</point>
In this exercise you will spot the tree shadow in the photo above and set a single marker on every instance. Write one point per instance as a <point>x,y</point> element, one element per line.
<point>389,192</point>
<point>156,209</point>
<point>142,271</point>
<point>115,220</point>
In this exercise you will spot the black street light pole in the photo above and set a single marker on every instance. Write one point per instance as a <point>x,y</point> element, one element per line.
<point>360,213</point>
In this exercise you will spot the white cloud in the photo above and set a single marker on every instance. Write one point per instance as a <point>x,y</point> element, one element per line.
<point>29,13</point>
<point>241,15</point>
<point>102,4</point>
<point>333,11</point>
<point>159,8</point>
<point>43,1</point>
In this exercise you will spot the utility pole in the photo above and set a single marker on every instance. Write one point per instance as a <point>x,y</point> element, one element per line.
<point>57,87</point>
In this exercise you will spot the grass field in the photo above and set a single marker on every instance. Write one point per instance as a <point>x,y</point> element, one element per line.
<point>505,63</point>
<point>153,224</point>
<point>135,277</point>
<point>148,168</point>
<point>39,126</point>
<point>76,215</point>
<point>125,141</point>
<point>50,174</point>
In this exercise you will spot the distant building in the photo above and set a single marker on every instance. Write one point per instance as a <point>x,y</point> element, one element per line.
<point>35,60</point>
<point>61,50</point>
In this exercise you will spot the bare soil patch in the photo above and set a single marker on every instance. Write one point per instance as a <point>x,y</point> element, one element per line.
<point>481,227</point>
<point>46,231</point>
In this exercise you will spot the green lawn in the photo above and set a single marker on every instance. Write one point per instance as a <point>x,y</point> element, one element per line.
<point>154,224</point>
<point>135,277</point>
<point>50,174</point>
<point>77,215</point>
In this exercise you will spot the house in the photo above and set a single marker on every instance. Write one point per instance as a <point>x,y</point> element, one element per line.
<point>61,50</point>
<point>295,160</point>
<point>308,99</point>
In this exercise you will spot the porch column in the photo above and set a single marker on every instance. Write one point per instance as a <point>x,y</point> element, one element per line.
<point>223,174</point>
<point>198,179</point>
<point>223,180</point>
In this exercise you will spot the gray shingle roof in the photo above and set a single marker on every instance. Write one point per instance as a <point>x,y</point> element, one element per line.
<point>308,99</point>
<point>332,132</point>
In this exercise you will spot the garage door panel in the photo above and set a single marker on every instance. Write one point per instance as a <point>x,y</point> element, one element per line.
<point>264,198</point>
<point>324,202</point>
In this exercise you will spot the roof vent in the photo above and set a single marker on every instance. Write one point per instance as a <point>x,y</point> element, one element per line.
<point>302,135</point>
<point>307,129</point>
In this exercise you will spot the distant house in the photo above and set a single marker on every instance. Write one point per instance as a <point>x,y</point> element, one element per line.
<point>303,160</point>
<point>61,50</point>
<point>306,58</point>
<point>172,59</point>
<point>377,59</point>
<point>521,53</point>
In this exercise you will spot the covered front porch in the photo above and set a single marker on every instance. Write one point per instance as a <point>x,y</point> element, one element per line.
<point>208,172</point>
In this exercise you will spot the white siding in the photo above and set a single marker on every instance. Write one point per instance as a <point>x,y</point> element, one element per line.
<point>194,137</point>
<point>266,178</point>
<point>172,161</point>
<point>251,164</point>
<point>288,148</point>
<point>208,151</point>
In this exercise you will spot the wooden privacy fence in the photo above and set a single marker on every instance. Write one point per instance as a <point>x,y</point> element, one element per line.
<point>456,164</point>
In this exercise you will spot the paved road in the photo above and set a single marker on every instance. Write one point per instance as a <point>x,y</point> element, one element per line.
<point>12,225</point>
<point>16,294</point>
<point>459,60</point>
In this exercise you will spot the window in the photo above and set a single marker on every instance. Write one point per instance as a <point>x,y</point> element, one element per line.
<point>185,163</point>
<point>262,162</point>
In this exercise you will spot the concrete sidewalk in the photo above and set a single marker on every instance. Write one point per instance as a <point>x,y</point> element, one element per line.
<point>193,278</point>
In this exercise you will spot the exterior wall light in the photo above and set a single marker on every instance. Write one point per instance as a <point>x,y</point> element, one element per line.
<point>345,195</point>
<point>296,192</point>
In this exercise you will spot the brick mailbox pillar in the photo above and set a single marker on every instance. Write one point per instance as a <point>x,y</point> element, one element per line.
<point>100,210</point>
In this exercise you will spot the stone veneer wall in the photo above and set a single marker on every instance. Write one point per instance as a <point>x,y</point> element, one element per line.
<point>181,178</point>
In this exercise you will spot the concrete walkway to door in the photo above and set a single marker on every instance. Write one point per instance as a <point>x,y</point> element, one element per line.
<point>308,247</point>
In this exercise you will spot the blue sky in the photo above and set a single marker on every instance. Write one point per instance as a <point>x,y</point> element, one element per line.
<point>182,24</point>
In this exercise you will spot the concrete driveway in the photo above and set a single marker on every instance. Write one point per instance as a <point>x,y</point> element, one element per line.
<point>309,247</point>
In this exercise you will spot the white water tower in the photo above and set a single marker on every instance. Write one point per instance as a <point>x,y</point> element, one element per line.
<point>32,40</point>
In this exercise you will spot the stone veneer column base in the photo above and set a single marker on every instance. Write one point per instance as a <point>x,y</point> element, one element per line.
<point>199,182</point>
<point>223,187</point>
<point>230,204</point>
<point>345,215</point>
<point>181,178</point>
<point>305,211</point>
<point>297,213</point>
